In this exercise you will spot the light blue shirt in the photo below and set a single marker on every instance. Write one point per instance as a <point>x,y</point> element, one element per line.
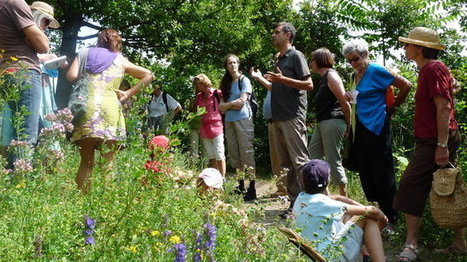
<point>319,219</point>
<point>267,113</point>
<point>245,87</point>
<point>371,98</point>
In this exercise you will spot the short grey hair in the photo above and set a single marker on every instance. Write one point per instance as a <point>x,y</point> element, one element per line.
<point>355,45</point>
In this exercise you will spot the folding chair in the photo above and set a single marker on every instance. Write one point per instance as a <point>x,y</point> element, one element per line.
<point>298,241</point>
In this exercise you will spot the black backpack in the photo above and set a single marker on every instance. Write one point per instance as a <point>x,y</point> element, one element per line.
<point>251,99</point>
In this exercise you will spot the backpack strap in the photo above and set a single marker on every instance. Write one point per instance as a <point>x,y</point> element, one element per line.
<point>164,99</point>
<point>216,98</point>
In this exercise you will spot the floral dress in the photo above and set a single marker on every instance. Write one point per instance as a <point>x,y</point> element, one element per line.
<point>104,116</point>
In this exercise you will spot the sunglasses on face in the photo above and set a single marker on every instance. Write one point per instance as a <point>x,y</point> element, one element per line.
<point>353,60</point>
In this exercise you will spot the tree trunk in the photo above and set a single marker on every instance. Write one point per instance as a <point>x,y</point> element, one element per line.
<point>70,37</point>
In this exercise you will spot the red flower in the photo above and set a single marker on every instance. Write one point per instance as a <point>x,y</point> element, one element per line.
<point>153,165</point>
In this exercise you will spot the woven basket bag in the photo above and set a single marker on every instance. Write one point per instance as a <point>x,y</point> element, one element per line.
<point>448,198</point>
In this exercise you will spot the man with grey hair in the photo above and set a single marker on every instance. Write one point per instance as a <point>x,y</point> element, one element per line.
<point>288,84</point>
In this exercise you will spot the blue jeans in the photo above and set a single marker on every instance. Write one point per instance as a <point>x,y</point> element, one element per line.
<point>30,83</point>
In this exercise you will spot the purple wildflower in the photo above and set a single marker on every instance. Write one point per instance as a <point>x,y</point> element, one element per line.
<point>198,247</point>
<point>89,223</point>
<point>180,248</point>
<point>211,234</point>
<point>167,232</point>
<point>89,241</point>
<point>88,232</point>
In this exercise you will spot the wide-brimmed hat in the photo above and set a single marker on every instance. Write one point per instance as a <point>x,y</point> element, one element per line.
<point>47,10</point>
<point>212,178</point>
<point>423,36</point>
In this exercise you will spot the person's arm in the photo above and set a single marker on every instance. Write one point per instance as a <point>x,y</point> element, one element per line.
<point>72,74</point>
<point>236,104</point>
<point>404,89</point>
<point>35,38</point>
<point>177,110</point>
<point>443,109</point>
<point>144,76</point>
<point>301,84</point>
<point>337,88</point>
<point>256,74</point>
<point>345,200</point>
<point>369,212</point>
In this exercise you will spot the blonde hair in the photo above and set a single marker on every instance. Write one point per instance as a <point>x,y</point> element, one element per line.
<point>203,79</point>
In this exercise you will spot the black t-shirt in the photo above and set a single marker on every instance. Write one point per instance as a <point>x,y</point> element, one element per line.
<point>326,104</point>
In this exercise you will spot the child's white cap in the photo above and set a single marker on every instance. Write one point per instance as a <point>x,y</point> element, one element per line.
<point>212,178</point>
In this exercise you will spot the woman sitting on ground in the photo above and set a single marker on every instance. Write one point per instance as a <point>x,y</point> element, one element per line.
<point>337,226</point>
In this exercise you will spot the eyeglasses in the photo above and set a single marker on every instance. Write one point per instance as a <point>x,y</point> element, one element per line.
<point>353,60</point>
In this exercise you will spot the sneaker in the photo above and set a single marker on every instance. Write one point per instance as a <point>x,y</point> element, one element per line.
<point>250,194</point>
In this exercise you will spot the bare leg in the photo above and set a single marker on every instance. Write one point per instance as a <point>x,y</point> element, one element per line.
<point>372,239</point>
<point>413,226</point>
<point>343,190</point>
<point>108,153</point>
<point>86,151</point>
<point>459,239</point>
<point>221,166</point>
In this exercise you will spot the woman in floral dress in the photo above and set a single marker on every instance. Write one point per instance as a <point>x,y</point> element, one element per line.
<point>103,122</point>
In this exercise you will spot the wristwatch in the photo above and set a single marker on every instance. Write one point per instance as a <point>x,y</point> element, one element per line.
<point>442,145</point>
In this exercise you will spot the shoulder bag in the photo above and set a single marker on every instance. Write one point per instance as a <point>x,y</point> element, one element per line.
<point>448,198</point>
<point>79,96</point>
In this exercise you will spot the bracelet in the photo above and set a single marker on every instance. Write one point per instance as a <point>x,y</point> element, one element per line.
<point>442,145</point>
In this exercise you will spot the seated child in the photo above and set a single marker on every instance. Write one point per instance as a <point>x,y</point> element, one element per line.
<point>322,219</point>
<point>210,179</point>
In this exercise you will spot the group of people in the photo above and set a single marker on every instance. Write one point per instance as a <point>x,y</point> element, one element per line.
<point>437,140</point>
<point>228,114</point>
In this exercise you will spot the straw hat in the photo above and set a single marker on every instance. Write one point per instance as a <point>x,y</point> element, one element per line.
<point>47,10</point>
<point>423,36</point>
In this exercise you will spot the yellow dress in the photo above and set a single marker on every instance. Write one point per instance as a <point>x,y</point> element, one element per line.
<point>104,116</point>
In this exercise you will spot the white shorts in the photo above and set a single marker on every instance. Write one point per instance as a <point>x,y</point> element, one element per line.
<point>352,240</point>
<point>214,147</point>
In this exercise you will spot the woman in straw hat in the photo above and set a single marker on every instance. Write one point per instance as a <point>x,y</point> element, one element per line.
<point>43,15</point>
<point>436,137</point>
<point>371,125</point>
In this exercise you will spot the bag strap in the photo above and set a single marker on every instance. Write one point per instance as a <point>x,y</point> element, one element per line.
<point>216,98</point>
<point>164,99</point>
<point>82,59</point>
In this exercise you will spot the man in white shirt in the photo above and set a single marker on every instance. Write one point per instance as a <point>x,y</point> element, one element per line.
<point>161,110</point>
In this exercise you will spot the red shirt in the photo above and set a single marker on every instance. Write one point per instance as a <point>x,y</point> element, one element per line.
<point>211,121</point>
<point>434,80</point>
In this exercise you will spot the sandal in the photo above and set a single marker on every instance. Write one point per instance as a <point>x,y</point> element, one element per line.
<point>408,253</point>
<point>451,250</point>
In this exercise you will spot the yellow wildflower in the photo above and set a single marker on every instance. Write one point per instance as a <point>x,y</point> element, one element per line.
<point>157,246</point>
<point>13,58</point>
<point>155,233</point>
<point>22,184</point>
<point>132,249</point>
<point>175,239</point>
